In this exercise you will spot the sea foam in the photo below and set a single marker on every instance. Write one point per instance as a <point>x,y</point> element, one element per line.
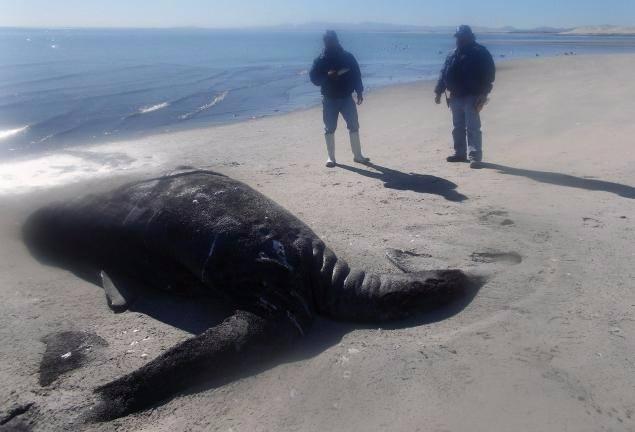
<point>217,99</point>
<point>8,133</point>
<point>157,107</point>
<point>61,168</point>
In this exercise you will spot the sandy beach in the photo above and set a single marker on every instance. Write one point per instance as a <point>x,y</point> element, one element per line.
<point>546,344</point>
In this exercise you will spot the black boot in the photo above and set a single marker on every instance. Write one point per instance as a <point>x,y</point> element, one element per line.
<point>456,158</point>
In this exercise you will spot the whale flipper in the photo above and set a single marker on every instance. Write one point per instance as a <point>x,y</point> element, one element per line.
<point>117,296</point>
<point>241,341</point>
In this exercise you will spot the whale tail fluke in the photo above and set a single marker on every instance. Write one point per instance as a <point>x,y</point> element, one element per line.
<point>355,295</point>
<point>242,341</point>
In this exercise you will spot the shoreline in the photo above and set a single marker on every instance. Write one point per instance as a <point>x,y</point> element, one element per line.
<point>126,154</point>
<point>20,157</point>
<point>103,136</point>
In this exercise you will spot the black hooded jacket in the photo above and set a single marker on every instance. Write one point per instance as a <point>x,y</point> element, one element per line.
<point>468,71</point>
<point>342,86</point>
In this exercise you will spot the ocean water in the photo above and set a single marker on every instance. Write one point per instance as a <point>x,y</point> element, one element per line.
<point>62,88</point>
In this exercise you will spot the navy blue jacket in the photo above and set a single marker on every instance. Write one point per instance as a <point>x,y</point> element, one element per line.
<point>469,71</point>
<point>344,85</point>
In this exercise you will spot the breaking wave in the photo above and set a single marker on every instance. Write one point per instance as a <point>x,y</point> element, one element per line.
<point>217,99</point>
<point>157,107</point>
<point>8,133</point>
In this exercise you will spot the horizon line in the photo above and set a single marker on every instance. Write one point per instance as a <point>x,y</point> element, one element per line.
<point>299,25</point>
<point>307,26</point>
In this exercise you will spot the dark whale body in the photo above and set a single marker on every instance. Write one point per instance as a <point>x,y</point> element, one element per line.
<point>204,233</point>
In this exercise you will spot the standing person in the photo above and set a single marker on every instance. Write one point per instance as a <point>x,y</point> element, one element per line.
<point>468,74</point>
<point>337,73</point>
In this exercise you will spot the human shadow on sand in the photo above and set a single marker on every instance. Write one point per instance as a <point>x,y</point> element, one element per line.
<point>565,180</point>
<point>419,183</point>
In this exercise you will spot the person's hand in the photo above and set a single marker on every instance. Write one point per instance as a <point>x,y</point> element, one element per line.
<point>333,74</point>
<point>360,99</point>
<point>437,99</point>
<point>480,102</point>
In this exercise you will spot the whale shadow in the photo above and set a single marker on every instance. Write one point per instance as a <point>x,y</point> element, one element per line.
<point>186,311</point>
<point>564,180</point>
<point>326,333</point>
<point>195,315</point>
<point>419,183</point>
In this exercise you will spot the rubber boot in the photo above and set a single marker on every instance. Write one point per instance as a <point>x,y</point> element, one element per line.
<point>457,158</point>
<point>356,147</point>
<point>330,150</point>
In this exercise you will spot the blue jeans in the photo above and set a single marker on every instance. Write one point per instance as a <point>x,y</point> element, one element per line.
<point>467,128</point>
<point>331,109</point>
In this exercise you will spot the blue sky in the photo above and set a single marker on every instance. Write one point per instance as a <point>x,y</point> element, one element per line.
<point>238,13</point>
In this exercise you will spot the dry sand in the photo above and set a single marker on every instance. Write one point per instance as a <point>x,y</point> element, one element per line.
<point>546,345</point>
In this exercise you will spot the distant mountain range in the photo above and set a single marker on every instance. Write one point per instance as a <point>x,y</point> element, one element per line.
<point>603,30</point>
<point>386,27</point>
<point>318,26</point>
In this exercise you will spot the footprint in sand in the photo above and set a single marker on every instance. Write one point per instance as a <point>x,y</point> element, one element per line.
<point>496,257</point>
<point>592,222</point>
<point>487,214</point>
<point>499,217</point>
<point>402,259</point>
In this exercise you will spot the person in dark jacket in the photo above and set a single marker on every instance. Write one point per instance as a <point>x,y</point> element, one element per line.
<point>469,73</point>
<point>337,73</point>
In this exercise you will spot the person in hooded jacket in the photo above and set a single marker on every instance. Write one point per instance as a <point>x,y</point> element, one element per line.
<point>337,72</point>
<point>468,73</point>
